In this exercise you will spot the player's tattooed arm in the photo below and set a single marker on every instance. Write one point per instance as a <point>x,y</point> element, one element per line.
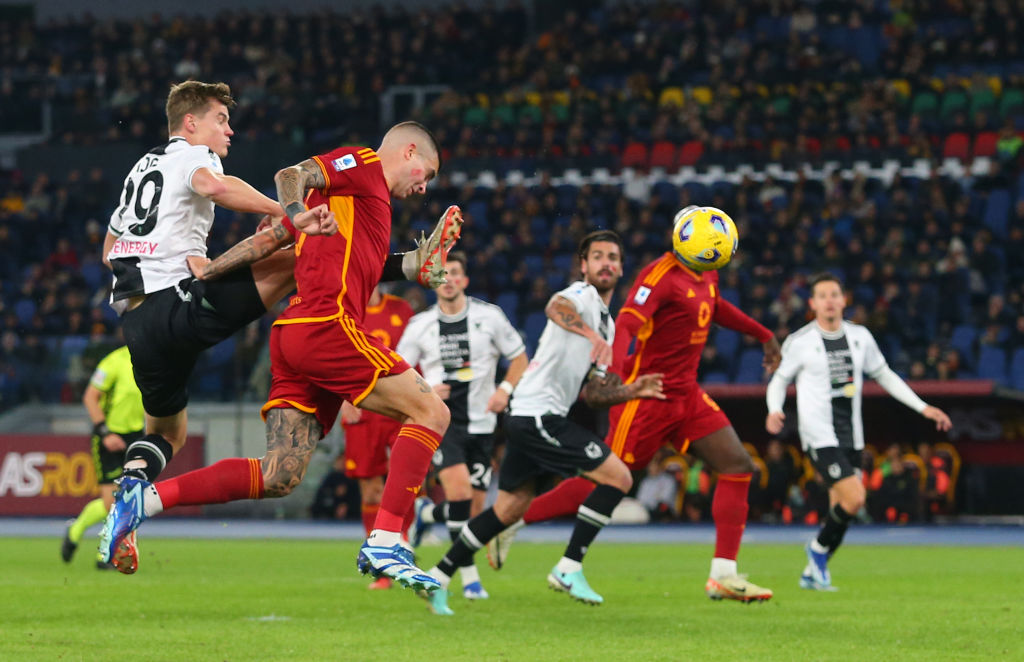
<point>424,386</point>
<point>293,182</point>
<point>247,251</point>
<point>292,436</point>
<point>603,391</point>
<point>562,312</point>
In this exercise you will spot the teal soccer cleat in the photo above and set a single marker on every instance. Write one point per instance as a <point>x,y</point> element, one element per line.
<point>575,584</point>
<point>437,601</point>
<point>117,541</point>
<point>397,563</point>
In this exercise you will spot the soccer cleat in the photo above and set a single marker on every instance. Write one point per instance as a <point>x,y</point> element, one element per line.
<point>100,565</point>
<point>428,262</point>
<point>497,547</point>
<point>475,591</point>
<point>807,582</point>
<point>419,526</point>
<point>575,584</point>
<point>380,584</point>
<point>395,562</point>
<point>736,587</point>
<point>818,566</point>
<point>67,548</point>
<point>117,541</point>
<point>437,601</point>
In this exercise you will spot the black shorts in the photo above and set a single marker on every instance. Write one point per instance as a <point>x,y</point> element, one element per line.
<point>166,333</point>
<point>108,463</point>
<point>835,464</point>
<point>473,450</point>
<point>536,446</point>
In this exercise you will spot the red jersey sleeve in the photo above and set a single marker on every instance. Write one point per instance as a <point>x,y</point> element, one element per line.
<point>352,171</point>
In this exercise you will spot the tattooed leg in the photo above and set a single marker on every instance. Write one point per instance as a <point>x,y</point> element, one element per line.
<point>291,437</point>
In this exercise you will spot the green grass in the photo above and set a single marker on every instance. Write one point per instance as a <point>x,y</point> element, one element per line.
<point>303,600</point>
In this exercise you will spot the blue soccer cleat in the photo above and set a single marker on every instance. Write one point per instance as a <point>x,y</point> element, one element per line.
<point>816,570</point>
<point>419,525</point>
<point>397,563</point>
<point>437,601</point>
<point>475,591</point>
<point>575,584</point>
<point>117,541</point>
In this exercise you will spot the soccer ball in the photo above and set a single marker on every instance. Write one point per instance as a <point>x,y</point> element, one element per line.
<point>704,238</point>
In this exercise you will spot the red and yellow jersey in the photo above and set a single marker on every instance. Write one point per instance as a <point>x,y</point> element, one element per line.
<point>674,306</point>
<point>335,275</point>
<point>387,320</point>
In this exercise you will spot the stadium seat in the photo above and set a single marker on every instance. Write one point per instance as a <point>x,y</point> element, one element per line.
<point>727,342</point>
<point>962,340</point>
<point>957,146</point>
<point>1011,103</point>
<point>634,155</point>
<point>672,96</point>
<point>985,143</point>
<point>508,301</point>
<point>997,212</point>
<point>1017,369</point>
<point>663,154</point>
<point>925,103</point>
<point>534,326</point>
<point>691,152</point>
<point>749,370</point>
<point>992,364</point>
<point>715,377</point>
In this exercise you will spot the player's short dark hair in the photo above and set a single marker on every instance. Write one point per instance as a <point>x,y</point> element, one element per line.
<point>599,235</point>
<point>193,96</point>
<point>411,124</point>
<point>460,257</point>
<point>824,277</point>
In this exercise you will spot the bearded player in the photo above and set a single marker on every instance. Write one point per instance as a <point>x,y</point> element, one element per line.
<point>669,312</point>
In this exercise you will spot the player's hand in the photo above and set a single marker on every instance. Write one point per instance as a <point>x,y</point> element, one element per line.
<point>772,355</point>
<point>649,386</point>
<point>114,443</point>
<point>197,265</point>
<point>318,220</point>
<point>497,402</point>
<point>942,422</point>
<point>267,221</point>
<point>774,421</point>
<point>601,351</point>
<point>443,390</point>
<point>350,413</point>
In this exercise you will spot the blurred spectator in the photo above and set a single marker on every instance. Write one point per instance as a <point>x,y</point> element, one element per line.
<point>894,493</point>
<point>657,490</point>
<point>337,497</point>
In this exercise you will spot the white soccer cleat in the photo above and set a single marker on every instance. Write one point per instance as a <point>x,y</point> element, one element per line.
<point>736,587</point>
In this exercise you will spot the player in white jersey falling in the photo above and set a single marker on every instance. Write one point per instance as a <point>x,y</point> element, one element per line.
<point>457,344</point>
<point>829,358</point>
<point>572,353</point>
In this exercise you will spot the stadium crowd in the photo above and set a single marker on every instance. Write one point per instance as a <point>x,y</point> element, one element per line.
<point>932,264</point>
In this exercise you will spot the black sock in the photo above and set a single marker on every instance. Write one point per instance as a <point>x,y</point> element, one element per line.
<point>836,523</point>
<point>440,512</point>
<point>154,450</point>
<point>477,533</point>
<point>591,517</point>
<point>458,515</point>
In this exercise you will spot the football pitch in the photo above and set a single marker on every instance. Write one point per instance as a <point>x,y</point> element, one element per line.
<point>241,600</point>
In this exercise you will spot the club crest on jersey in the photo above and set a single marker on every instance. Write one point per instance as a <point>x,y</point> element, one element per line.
<point>642,294</point>
<point>344,163</point>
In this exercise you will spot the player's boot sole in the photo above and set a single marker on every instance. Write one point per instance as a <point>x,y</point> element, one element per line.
<point>126,557</point>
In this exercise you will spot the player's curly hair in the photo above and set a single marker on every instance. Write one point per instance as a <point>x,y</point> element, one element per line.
<point>599,235</point>
<point>192,96</point>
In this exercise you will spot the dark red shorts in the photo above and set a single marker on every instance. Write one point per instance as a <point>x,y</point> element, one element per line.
<point>315,366</point>
<point>367,443</point>
<point>638,428</point>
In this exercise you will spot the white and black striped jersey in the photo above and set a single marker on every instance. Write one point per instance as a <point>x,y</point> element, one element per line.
<point>160,220</point>
<point>829,369</point>
<point>462,351</point>
<point>555,376</point>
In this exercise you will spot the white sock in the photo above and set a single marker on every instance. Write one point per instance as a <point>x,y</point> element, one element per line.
<point>441,577</point>
<point>382,538</point>
<point>723,568</point>
<point>568,566</point>
<point>151,502</point>
<point>469,574</point>
<point>818,547</point>
<point>427,514</point>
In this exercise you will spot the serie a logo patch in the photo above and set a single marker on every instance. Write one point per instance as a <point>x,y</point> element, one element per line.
<point>344,163</point>
<point>641,295</point>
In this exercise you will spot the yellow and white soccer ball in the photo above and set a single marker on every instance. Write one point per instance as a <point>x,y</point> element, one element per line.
<point>704,238</point>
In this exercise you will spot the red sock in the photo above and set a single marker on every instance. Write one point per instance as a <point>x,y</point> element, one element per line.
<point>410,515</point>
<point>562,501</point>
<point>232,479</point>
<point>369,511</point>
<point>729,510</point>
<point>410,460</point>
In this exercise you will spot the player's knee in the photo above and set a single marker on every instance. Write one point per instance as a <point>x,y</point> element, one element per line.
<point>622,479</point>
<point>436,416</point>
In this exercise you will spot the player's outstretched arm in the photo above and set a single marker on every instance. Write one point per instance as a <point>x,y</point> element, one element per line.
<point>292,184</point>
<point>776,398</point>
<point>562,312</point>
<point>232,193</point>
<point>603,391</point>
<point>249,250</point>
<point>899,389</point>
